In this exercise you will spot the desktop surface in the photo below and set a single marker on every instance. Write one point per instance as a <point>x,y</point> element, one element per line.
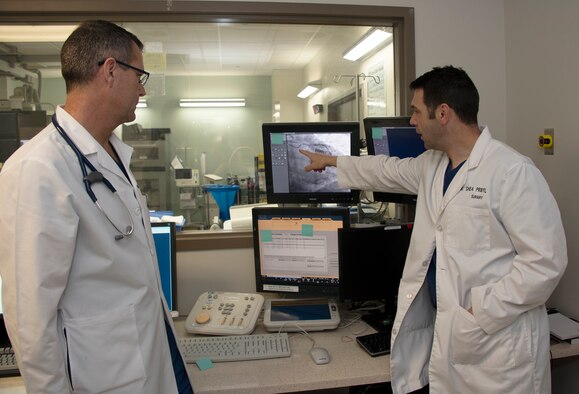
<point>350,365</point>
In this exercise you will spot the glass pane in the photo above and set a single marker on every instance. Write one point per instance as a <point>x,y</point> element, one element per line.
<point>264,64</point>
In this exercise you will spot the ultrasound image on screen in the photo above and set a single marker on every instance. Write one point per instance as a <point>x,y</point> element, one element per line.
<point>324,143</point>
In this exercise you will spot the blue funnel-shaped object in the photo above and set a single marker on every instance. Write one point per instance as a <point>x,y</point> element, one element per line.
<point>224,196</point>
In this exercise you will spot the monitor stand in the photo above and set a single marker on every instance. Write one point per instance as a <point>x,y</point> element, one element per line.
<point>379,321</point>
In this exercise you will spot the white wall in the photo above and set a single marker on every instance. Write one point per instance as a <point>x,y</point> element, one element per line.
<point>285,85</point>
<point>201,271</point>
<point>542,87</point>
<point>542,60</point>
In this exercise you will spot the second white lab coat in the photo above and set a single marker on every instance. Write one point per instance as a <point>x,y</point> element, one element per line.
<point>501,250</point>
<point>84,312</point>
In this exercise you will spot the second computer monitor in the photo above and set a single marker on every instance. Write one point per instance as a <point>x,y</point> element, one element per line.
<point>371,263</point>
<point>296,250</point>
<point>393,136</point>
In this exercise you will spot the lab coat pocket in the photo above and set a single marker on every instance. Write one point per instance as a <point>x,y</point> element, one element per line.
<point>471,345</point>
<point>468,228</point>
<point>104,351</point>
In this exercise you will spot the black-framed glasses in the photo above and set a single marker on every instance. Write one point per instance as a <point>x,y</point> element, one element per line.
<point>142,74</point>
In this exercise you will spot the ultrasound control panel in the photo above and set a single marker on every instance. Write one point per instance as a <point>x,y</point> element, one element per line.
<point>224,313</point>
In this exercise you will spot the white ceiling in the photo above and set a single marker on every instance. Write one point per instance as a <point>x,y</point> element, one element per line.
<point>213,49</point>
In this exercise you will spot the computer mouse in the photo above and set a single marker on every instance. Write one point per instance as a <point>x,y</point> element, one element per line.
<point>320,355</point>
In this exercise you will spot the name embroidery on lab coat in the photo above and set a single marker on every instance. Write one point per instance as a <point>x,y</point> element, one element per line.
<point>477,192</point>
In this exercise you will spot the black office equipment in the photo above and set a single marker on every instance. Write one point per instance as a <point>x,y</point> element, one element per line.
<point>286,180</point>
<point>393,136</point>
<point>8,366</point>
<point>376,344</point>
<point>296,250</point>
<point>164,235</point>
<point>371,263</point>
<point>9,136</point>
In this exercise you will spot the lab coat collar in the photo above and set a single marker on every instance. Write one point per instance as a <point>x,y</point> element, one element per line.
<point>77,133</point>
<point>123,150</point>
<point>472,162</point>
<point>479,147</point>
<point>90,147</point>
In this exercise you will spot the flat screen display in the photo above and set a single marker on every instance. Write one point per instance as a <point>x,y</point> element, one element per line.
<point>286,180</point>
<point>371,263</point>
<point>296,249</point>
<point>306,310</point>
<point>393,136</point>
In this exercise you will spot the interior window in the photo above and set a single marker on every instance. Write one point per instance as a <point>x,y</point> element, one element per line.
<point>186,127</point>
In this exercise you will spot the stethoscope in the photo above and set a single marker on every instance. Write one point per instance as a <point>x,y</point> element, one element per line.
<point>95,177</point>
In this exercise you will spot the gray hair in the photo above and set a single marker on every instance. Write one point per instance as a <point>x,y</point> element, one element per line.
<point>91,42</point>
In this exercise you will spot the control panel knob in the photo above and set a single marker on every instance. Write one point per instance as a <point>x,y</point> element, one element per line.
<point>202,317</point>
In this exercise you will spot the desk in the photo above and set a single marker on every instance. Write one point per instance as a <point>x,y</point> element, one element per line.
<point>350,366</point>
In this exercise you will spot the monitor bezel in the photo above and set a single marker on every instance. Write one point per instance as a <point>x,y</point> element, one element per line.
<point>173,237</point>
<point>394,121</point>
<point>305,290</point>
<point>351,197</point>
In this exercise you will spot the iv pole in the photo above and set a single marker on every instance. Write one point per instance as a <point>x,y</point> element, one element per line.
<point>357,78</point>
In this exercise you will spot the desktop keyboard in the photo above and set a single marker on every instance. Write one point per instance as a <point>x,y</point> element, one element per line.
<point>8,364</point>
<point>375,344</point>
<point>235,347</point>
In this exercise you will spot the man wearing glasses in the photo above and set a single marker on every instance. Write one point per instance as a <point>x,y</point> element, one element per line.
<point>81,293</point>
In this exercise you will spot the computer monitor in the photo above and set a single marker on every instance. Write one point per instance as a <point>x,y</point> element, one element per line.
<point>371,263</point>
<point>296,249</point>
<point>393,136</point>
<point>164,235</point>
<point>286,180</point>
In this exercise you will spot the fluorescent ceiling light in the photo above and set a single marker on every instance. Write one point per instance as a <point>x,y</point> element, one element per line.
<point>142,103</point>
<point>367,44</point>
<point>310,89</point>
<point>207,103</point>
<point>35,33</point>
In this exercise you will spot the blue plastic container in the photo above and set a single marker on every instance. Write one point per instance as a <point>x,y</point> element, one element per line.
<point>224,196</point>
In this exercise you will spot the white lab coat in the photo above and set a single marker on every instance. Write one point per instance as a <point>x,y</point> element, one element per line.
<point>72,295</point>
<point>500,249</point>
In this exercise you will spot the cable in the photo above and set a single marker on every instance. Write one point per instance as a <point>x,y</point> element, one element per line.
<point>302,332</point>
